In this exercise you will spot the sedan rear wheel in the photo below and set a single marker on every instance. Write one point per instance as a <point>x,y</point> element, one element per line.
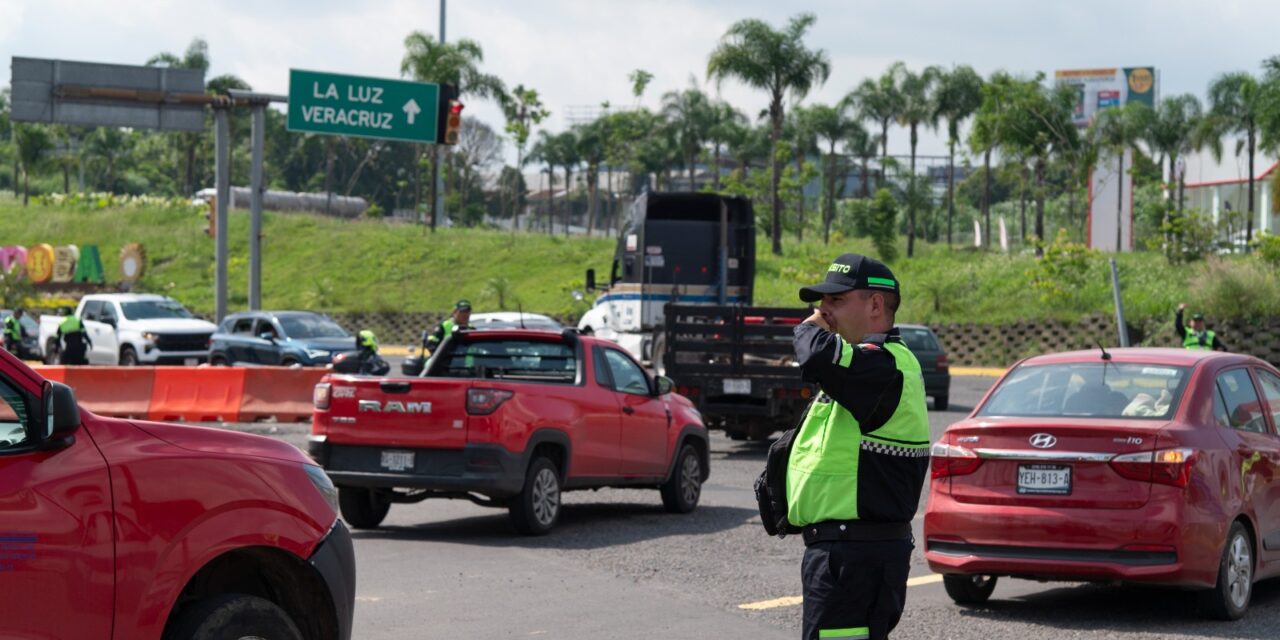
<point>966,589</point>
<point>1229,599</point>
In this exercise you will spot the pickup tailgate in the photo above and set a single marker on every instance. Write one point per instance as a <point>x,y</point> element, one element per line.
<point>427,413</point>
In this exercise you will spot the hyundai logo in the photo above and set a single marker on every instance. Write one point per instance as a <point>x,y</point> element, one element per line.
<point>1042,441</point>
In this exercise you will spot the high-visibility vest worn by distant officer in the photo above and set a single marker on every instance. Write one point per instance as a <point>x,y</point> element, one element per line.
<point>12,328</point>
<point>823,479</point>
<point>446,329</point>
<point>70,325</point>
<point>1198,339</point>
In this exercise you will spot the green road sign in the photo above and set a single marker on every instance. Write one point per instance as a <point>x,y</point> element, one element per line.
<point>363,107</point>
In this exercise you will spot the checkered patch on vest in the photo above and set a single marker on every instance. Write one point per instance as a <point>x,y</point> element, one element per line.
<point>890,450</point>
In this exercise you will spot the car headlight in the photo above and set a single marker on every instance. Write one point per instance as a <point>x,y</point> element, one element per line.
<point>317,353</point>
<point>150,337</point>
<point>324,485</point>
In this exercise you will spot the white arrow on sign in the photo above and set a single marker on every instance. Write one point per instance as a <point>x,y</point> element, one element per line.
<point>411,109</point>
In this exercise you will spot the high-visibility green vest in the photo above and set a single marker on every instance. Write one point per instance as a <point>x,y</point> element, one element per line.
<point>1193,339</point>
<point>12,328</point>
<point>70,325</point>
<point>822,472</point>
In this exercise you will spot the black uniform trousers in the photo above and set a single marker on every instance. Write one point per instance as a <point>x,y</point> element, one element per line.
<point>854,589</point>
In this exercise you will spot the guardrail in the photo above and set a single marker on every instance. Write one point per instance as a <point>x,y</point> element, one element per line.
<point>200,394</point>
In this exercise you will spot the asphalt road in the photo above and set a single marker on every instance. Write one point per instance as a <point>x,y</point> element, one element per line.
<point>618,566</point>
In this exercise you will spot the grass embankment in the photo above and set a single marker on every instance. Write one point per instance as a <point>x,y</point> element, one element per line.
<point>326,264</point>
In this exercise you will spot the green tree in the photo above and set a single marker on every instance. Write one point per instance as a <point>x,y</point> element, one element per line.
<point>883,225</point>
<point>1118,130</point>
<point>1237,106</point>
<point>779,63</point>
<point>457,63</point>
<point>640,80</point>
<point>1174,132</point>
<point>832,126</point>
<point>860,144</point>
<point>108,144</point>
<point>523,110</point>
<point>726,125</point>
<point>589,139</point>
<point>34,142</point>
<point>985,136</point>
<point>689,113</point>
<point>878,100</point>
<point>195,57</point>
<point>916,108</point>
<point>958,96</point>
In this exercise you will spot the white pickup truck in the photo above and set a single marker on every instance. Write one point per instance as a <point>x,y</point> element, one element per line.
<point>131,329</point>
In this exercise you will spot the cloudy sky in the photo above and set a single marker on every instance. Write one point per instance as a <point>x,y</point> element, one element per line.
<point>578,53</point>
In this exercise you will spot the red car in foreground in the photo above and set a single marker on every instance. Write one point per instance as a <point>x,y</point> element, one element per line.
<point>1156,466</point>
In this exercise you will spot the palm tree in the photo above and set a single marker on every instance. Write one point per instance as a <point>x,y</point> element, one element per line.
<point>1172,133</point>
<point>859,143</point>
<point>109,144</point>
<point>727,124</point>
<point>590,141</point>
<point>915,109</point>
<point>547,151</point>
<point>958,96</point>
<point>779,63</point>
<point>804,143</point>
<point>1119,129</point>
<point>456,63</point>
<point>986,135</point>
<point>33,143</point>
<point>1237,105</point>
<point>195,57</point>
<point>831,125</point>
<point>879,101</point>
<point>523,110</point>
<point>689,113</point>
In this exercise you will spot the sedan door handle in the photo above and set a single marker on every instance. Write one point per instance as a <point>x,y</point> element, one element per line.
<point>628,409</point>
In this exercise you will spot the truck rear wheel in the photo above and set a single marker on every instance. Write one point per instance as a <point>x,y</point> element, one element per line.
<point>362,508</point>
<point>537,509</point>
<point>681,491</point>
<point>233,615</point>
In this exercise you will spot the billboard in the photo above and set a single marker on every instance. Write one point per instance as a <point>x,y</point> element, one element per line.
<point>1098,89</point>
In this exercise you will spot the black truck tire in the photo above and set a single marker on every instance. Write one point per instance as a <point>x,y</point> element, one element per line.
<point>362,508</point>
<point>537,509</point>
<point>233,615</point>
<point>681,491</point>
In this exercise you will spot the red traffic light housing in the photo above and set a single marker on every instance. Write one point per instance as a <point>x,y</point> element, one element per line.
<point>453,123</point>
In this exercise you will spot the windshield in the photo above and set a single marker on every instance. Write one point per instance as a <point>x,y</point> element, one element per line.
<point>298,327</point>
<point>1089,390</point>
<point>152,309</point>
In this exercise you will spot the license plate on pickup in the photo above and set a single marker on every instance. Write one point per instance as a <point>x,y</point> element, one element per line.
<point>191,362</point>
<point>397,460</point>
<point>1047,479</point>
<point>737,386</point>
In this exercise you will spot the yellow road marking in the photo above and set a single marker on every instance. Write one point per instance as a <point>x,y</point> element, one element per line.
<point>792,601</point>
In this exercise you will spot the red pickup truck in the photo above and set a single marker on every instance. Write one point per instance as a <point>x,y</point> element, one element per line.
<point>124,529</point>
<point>511,419</point>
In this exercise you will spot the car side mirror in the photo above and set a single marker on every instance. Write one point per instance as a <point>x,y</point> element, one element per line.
<point>591,279</point>
<point>110,321</point>
<point>664,385</point>
<point>268,336</point>
<point>61,412</point>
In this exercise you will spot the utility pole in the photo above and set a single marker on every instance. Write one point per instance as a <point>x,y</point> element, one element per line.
<point>222,164</point>
<point>439,151</point>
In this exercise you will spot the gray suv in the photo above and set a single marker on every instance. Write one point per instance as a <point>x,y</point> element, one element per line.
<point>924,344</point>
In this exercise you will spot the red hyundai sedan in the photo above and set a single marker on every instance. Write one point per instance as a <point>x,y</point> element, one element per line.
<point>1156,466</point>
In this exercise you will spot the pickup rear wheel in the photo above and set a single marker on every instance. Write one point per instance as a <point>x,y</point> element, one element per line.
<point>680,493</point>
<point>233,615</point>
<point>362,508</point>
<point>537,509</point>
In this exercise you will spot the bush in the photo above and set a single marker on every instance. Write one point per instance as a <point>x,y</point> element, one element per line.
<point>1238,288</point>
<point>1267,248</point>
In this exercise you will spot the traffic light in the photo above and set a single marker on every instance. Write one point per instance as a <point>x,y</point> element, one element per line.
<point>453,122</point>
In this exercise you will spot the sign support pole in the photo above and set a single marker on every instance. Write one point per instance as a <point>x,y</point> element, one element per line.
<point>222,168</point>
<point>255,209</point>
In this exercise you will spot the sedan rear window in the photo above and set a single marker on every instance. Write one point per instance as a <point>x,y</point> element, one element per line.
<point>1089,390</point>
<point>510,359</point>
<point>919,339</point>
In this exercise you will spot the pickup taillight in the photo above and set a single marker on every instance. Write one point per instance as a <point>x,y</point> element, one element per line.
<point>482,402</point>
<point>940,365</point>
<point>320,397</point>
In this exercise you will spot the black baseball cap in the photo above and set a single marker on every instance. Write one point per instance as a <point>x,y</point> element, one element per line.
<point>1197,316</point>
<point>852,271</point>
<point>463,305</point>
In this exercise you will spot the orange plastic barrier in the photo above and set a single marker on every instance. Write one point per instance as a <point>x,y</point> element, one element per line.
<point>282,393</point>
<point>112,391</point>
<point>205,394</point>
<point>55,373</point>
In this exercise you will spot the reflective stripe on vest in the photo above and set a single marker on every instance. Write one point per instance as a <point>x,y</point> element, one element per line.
<point>1193,339</point>
<point>822,472</point>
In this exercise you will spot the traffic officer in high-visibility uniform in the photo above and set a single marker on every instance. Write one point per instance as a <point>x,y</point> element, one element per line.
<point>1196,336</point>
<point>13,333</point>
<point>73,340</point>
<point>459,319</point>
<point>860,456</point>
